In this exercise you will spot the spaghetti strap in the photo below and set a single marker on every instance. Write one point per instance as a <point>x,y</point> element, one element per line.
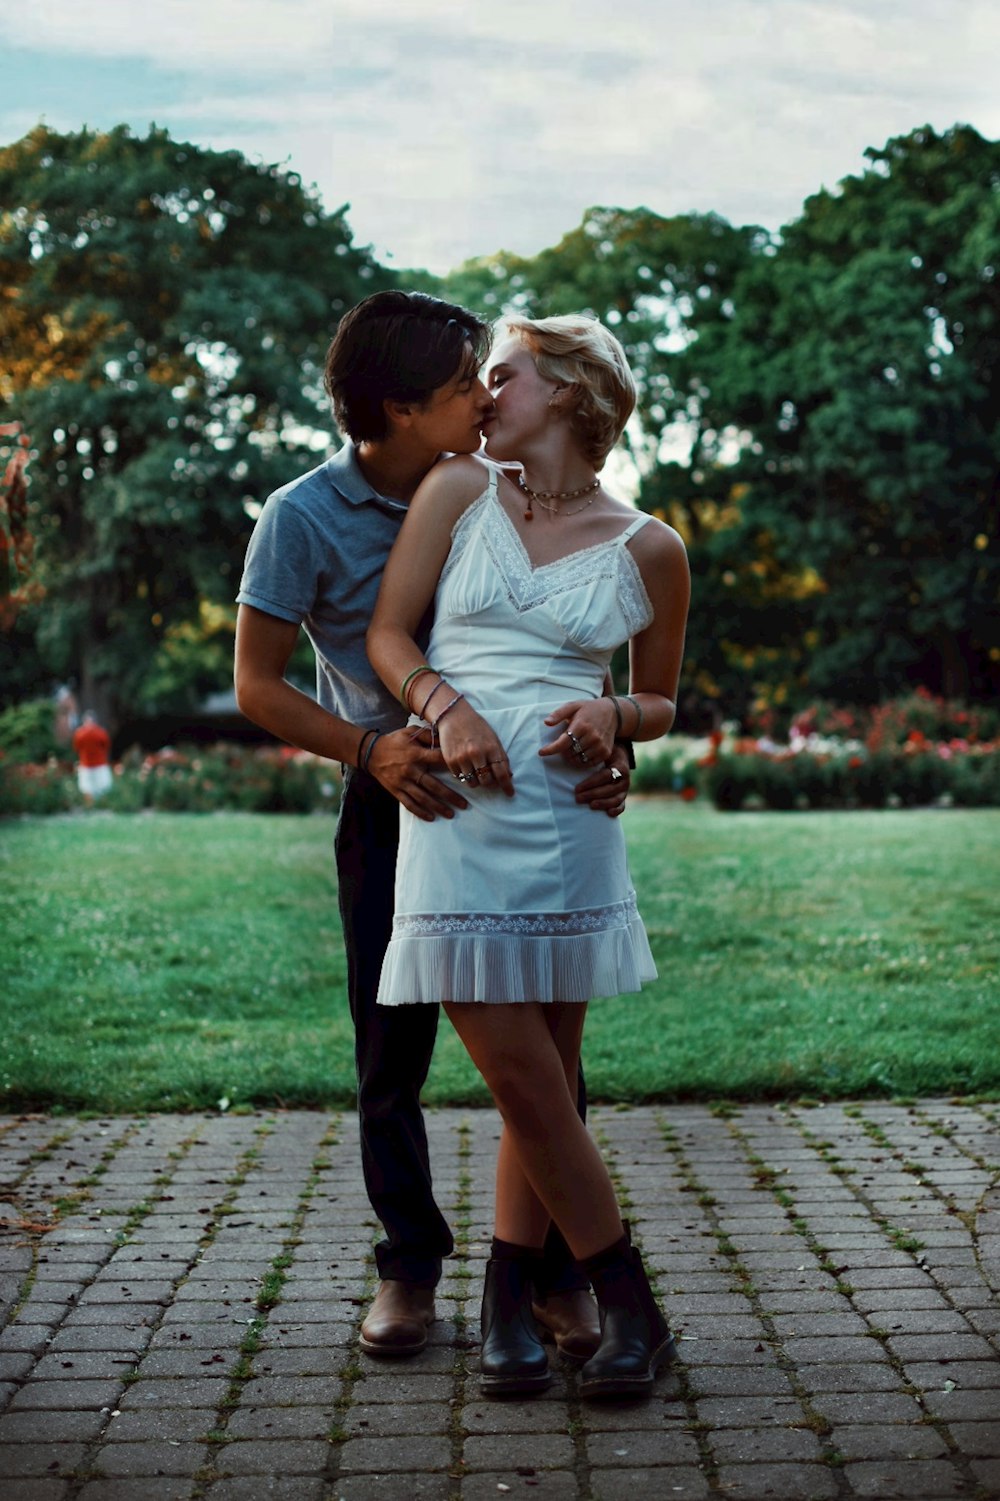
<point>634,526</point>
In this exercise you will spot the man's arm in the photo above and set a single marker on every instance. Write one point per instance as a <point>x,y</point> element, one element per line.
<point>264,644</point>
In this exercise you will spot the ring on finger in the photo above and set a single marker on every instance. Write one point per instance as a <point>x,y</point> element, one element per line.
<point>466,776</point>
<point>616,775</point>
<point>574,742</point>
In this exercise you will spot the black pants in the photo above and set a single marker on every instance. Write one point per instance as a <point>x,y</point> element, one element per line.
<point>393,1047</point>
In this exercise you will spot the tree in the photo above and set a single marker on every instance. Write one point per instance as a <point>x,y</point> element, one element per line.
<point>165,311</point>
<point>16,542</point>
<point>861,368</point>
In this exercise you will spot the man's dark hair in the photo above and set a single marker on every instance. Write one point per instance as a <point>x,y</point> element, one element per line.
<point>398,346</point>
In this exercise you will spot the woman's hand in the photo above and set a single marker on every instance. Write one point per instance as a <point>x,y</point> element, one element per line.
<point>606,789</point>
<point>472,751</point>
<point>589,734</point>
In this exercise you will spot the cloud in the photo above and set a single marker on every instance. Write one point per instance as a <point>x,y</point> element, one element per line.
<point>457,129</point>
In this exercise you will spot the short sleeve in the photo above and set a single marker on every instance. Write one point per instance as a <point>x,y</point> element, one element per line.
<point>284,562</point>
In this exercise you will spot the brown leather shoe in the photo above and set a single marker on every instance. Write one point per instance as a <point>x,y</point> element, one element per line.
<point>398,1320</point>
<point>571,1319</point>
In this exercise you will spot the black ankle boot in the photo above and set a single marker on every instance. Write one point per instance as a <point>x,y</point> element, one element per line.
<point>513,1358</point>
<point>635,1339</point>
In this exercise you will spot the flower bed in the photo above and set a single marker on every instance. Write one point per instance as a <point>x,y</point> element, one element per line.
<point>911,752</point>
<point>183,780</point>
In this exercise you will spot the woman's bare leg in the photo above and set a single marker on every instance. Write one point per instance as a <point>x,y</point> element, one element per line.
<point>528,1069</point>
<point>521,1217</point>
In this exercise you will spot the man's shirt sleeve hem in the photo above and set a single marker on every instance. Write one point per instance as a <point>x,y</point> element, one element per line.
<point>269,606</point>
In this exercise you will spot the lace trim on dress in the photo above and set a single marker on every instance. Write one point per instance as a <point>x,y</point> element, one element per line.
<point>528,585</point>
<point>462,530</point>
<point>637,607</point>
<point>523,924</point>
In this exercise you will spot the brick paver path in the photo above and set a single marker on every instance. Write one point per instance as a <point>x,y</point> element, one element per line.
<point>181,1296</point>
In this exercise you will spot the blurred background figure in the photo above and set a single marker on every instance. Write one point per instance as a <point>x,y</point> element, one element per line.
<point>67,715</point>
<point>92,744</point>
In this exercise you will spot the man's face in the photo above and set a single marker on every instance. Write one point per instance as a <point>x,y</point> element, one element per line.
<point>452,419</point>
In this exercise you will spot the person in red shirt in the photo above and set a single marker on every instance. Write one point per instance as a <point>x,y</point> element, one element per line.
<point>92,744</point>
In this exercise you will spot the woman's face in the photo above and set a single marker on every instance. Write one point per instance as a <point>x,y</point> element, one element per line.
<point>521,397</point>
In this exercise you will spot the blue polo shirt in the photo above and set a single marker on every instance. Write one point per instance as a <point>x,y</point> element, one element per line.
<point>316,558</point>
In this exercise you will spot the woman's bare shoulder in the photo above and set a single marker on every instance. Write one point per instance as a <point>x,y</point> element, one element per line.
<point>454,483</point>
<point>660,544</point>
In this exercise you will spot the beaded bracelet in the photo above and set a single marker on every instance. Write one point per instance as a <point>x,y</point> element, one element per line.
<point>423,712</point>
<point>448,707</point>
<point>408,680</point>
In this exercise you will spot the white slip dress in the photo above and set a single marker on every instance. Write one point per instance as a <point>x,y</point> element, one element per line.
<point>526,898</point>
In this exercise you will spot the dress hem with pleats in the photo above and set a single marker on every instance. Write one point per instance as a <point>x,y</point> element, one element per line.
<point>499,958</point>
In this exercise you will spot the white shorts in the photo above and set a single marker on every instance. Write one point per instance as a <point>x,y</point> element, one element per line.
<point>93,781</point>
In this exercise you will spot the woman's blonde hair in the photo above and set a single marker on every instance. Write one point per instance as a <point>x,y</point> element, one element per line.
<point>579,351</point>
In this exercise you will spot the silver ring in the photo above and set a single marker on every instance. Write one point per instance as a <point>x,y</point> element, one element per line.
<point>581,755</point>
<point>616,775</point>
<point>574,742</point>
<point>465,776</point>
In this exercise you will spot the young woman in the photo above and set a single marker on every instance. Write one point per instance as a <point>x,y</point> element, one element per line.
<point>538,575</point>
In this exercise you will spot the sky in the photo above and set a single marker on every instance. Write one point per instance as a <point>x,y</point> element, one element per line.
<point>457,128</point>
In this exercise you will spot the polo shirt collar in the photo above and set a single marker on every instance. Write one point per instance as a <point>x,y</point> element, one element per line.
<point>346,474</point>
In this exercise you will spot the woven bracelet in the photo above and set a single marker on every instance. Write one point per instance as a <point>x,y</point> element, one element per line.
<point>408,680</point>
<point>361,747</point>
<point>638,710</point>
<point>423,712</point>
<point>448,707</point>
<point>375,734</point>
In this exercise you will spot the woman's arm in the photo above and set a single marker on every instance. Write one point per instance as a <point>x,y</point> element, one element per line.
<point>656,654</point>
<point>411,576</point>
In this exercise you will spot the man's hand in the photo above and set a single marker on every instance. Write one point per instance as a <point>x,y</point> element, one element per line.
<point>606,789</point>
<point>405,763</point>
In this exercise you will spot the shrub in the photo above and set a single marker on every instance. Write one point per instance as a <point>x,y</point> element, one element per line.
<point>909,778</point>
<point>27,731</point>
<point>183,780</point>
<point>46,788</point>
<point>917,719</point>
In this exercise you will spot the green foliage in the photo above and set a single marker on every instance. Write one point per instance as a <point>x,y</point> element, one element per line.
<point>187,779</point>
<point>44,788</point>
<point>27,731</point>
<point>909,752</point>
<point>888,778</point>
<point>861,365</point>
<point>162,338</point>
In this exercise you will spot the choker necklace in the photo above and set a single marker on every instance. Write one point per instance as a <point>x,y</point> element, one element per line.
<point>541,496</point>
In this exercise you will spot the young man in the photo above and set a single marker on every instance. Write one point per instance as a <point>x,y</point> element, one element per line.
<point>403,376</point>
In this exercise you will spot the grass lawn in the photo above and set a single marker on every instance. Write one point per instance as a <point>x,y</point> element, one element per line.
<point>173,961</point>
